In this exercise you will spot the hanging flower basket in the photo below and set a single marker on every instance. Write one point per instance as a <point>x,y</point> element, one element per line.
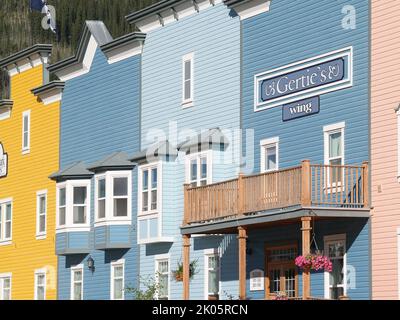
<point>281,295</point>
<point>178,273</point>
<point>314,262</point>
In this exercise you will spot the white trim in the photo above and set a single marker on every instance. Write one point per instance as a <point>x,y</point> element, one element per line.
<point>3,203</point>
<point>207,253</point>
<point>330,238</point>
<point>52,96</point>
<point>208,154</point>
<point>252,279</point>
<point>157,240</point>
<point>117,263</point>
<point>69,194</point>
<point>159,258</point>
<point>335,126</point>
<point>186,103</point>
<point>2,277</point>
<point>126,51</point>
<point>26,149</point>
<point>40,272</point>
<point>252,8</point>
<point>78,267</point>
<point>264,144</point>
<point>346,82</point>
<point>5,113</point>
<point>41,234</point>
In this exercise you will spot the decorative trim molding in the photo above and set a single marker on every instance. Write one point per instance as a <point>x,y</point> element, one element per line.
<point>248,8</point>
<point>49,93</point>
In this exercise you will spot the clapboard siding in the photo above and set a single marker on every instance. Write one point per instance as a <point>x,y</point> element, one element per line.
<point>385,79</point>
<point>291,32</point>
<point>214,37</point>
<point>100,115</point>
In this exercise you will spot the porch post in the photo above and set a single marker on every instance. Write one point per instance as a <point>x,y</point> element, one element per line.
<point>242,262</point>
<point>305,230</point>
<point>185,264</point>
<point>365,179</point>
<point>305,183</point>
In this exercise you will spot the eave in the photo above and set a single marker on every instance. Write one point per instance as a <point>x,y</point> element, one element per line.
<point>50,92</point>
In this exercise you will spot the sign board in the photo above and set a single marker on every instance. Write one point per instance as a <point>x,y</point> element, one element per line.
<point>300,108</point>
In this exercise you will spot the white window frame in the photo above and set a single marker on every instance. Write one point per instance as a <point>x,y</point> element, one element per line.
<point>186,103</point>
<point>161,258</point>
<point>73,269</point>
<point>41,234</point>
<point>109,218</point>
<point>2,277</point>
<point>328,130</point>
<point>118,263</point>
<point>208,253</point>
<point>267,143</point>
<point>26,149</point>
<point>37,273</point>
<point>254,277</point>
<point>3,203</point>
<point>208,154</point>
<point>327,240</point>
<point>69,207</point>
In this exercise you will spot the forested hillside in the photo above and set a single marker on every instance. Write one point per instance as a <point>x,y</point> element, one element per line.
<point>21,28</point>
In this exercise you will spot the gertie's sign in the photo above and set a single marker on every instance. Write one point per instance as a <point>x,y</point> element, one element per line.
<point>300,108</point>
<point>3,162</point>
<point>304,79</point>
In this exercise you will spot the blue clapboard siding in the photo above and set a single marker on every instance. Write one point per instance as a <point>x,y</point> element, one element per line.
<point>100,115</point>
<point>214,37</point>
<point>290,32</point>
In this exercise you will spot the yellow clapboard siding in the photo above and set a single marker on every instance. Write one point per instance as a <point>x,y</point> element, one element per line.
<point>28,174</point>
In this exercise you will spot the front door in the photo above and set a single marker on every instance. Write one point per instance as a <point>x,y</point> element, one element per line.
<point>281,273</point>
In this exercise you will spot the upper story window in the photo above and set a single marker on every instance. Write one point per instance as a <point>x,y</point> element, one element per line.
<point>113,196</point>
<point>41,214</point>
<point>269,151</point>
<point>199,168</point>
<point>5,221</point>
<point>5,286</point>
<point>73,205</point>
<point>334,151</point>
<point>26,131</point>
<point>187,80</point>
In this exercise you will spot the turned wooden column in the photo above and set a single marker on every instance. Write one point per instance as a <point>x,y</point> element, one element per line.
<point>305,230</point>
<point>186,265</point>
<point>242,262</point>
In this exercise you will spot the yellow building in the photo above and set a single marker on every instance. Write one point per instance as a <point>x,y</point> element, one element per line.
<point>29,145</point>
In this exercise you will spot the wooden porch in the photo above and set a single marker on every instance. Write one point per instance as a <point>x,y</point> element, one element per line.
<point>226,207</point>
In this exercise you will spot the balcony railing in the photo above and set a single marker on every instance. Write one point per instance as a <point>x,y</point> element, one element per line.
<point>333,186</point>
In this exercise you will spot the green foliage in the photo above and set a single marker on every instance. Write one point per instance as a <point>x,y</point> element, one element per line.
<point>178,272</point>
<point>151,287</point>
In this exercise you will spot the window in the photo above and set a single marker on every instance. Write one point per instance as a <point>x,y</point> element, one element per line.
<point>5,286</point>
<point>117,280</point>
<point>334,152</point>
<point>198,169</point>
<point>5,221</point>
<point>26,131</point>
<point>269,150</point>
<point>41,213</point>
<point>113,197</point>
<point>149,180</point>
<point>40,285</point>
<point>73,205</point>
<point>256,280</point>
<point>212,272</point>
<point>335,281</point>
<point>187,80</point>
<point>77,283</point>
<point>162,277</point>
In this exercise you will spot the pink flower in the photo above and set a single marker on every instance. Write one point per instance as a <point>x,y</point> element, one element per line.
<point>314,262</point>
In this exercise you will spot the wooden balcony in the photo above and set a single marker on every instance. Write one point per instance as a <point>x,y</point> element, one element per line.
<point>306,185</point>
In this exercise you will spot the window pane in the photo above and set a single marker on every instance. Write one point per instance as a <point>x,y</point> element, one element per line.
<point>118,286</point>
<point>40,293</point>
<point>154,178</point>
<point>40,279</point>
<point>79,195</point>
<point>336,250</point>
<point>145,180</point>
<point>188,69</point>
<point>77,275</point>
<point>213,282</point>
<point>42,223</point>
<point>6,294</point>
<point>79,214</point>
<point>193,170</point>
<point>120,207</point>
<point>187,90</point>
<point>163,283</point>
<point>42,204</point>
<point>203,163</point>
<point>61,193</point>
<point>145,199</point>
<point>101,187</point>
<point>78,291</point>
<point>270,158</point>
<point>163,266</point>
<point>6,283</point>
<point>101,208</point>
<point>61,217</point>
<point>118,271</point>
<point>8,211</point>
<point>26,122</point>
<point>154,200</point>
<point>120,186</point>
<point>335,144</point>
<point>8,229</point>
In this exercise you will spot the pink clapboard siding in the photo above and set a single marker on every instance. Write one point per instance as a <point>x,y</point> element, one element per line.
<point>385,188</point>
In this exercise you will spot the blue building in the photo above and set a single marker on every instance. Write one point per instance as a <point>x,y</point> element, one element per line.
<point>96,206</point>
<point>304,188</point>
